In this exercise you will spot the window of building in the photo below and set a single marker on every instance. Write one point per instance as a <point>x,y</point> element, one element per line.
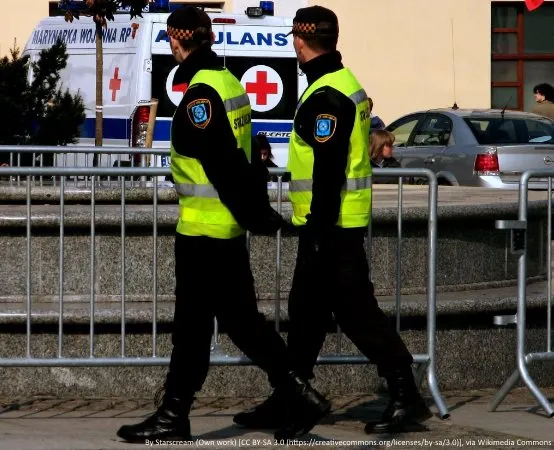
<point>522,47</point>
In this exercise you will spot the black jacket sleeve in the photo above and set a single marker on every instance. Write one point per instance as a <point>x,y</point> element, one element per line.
<point>390,163</point>
<point>325,122</point>
<point>210,139</point>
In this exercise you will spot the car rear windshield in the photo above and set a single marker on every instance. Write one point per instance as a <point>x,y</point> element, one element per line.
<point>511,130</point>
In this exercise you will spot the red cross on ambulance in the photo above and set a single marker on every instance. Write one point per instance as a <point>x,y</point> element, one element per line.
<point>263,86</point>
<point>174,92</point>
<point>115,84</point>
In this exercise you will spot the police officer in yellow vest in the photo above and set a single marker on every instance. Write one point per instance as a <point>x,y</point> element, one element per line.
<point>330,191</point>
<point>218,201</point>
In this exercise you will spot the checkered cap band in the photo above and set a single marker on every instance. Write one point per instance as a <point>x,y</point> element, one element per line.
<point>303,28</point>
<point>181,35</point>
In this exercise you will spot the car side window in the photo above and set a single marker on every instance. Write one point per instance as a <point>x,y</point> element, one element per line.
<point>434,130</point>
<point>538,131</point>
<point>402,130</point>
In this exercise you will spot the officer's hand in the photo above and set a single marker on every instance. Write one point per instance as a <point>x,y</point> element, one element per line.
<point>319,231</point>
<point>268,223</point>
<point>318,235</point>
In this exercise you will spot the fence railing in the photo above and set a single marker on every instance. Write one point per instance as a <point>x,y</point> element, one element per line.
<point>518,246</point>
<point>83,157</point>
<point>426,362</point>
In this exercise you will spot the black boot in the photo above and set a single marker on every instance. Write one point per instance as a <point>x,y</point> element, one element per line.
<point>272,413</point>
<point>170,421</point>
<point>306,408</point>
<point>406,409</point>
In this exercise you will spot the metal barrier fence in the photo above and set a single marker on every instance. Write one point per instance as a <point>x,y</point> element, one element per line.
<point>426,362</point>
<point>518,244</point>
<point>88,157</point>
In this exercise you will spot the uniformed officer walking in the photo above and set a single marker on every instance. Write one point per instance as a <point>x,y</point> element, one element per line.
<point>330,191</point>
<point>218,201</point>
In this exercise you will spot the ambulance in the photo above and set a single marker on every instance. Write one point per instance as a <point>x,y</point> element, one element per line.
<point>138,66</point>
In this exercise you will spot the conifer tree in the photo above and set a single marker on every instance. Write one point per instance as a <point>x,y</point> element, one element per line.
<point>41,112</point>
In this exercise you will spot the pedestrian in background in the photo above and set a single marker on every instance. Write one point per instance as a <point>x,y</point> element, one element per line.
<point>381,149</point>
<point>381,142</point>
<point>262,147</point>
<point>544,96</point>
<point>265,150</point>
<point>376,122</point>
<point>330,191</point>
<point>218,202</point>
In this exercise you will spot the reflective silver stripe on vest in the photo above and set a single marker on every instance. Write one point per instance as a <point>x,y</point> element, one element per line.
<point>300,185</point>
<point>197,190</point>
<point>352,184</point>
<point>359,97</point>
<point>355,184</point>
<point>235,103</point>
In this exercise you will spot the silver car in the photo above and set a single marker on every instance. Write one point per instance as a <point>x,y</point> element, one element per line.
<point>488,148</point>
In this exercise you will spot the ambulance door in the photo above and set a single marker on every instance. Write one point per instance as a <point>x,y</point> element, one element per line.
<point>262,57</point>
<point>79,76</point>
<point>271,85</point>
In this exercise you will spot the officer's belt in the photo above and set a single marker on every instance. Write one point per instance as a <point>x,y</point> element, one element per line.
<point>352,184</point>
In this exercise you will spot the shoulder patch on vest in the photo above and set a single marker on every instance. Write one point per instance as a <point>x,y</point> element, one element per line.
<point>325,125</point>
<point>200,112</point>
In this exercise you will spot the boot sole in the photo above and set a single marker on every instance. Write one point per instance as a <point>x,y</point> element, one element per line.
<point>412,425</point>
<point>267,426</point>
<point>299,430</point>
<point>162,437</point>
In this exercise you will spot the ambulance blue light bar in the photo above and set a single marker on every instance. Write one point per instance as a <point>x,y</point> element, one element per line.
<point>268,8</point>
<point>265,9</point>
<point>72,5</point>
<point>81,6</point>
<point>159,6</point>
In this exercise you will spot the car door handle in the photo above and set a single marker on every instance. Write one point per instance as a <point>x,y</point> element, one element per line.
<point>430,160</point>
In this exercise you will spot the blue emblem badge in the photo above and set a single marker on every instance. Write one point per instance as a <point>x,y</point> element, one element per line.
<point>325,125</point>
<point>199,112</point>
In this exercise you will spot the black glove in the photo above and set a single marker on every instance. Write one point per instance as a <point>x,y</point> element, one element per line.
<point>267,223</point>
<point>318,235</point>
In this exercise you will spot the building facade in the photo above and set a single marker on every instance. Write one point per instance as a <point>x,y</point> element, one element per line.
<point>409,54</point>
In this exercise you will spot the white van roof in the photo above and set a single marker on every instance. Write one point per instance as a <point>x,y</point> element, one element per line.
<point>240,19</point>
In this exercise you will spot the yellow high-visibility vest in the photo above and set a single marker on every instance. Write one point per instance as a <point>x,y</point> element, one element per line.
<point>201,212</point>
<point>356,193</point>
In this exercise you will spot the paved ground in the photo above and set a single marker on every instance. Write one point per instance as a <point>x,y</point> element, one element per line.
<point>50,423</point>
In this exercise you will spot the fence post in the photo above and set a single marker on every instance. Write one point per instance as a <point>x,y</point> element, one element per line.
<point>518,244</point>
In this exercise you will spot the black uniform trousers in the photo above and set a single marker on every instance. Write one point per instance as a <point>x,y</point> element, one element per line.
<point>332,278</point>
<point>213,279</point>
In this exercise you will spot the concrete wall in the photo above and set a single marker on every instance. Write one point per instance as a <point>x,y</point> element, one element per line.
<point>401,50</point>
<point>17,20</point>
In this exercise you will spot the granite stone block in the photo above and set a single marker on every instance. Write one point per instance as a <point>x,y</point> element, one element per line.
<point>470,251</point>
